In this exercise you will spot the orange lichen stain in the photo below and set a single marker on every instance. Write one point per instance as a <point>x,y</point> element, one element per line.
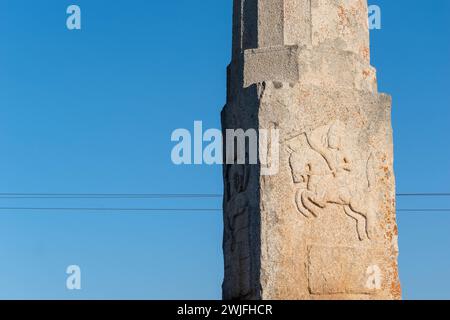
<point>389,236</point>
<point>365,52</point>
<point>396,288</point>
<point>343,19</point>
<point>395,230</point>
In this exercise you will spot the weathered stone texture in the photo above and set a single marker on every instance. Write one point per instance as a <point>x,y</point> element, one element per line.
<point>324,227</point>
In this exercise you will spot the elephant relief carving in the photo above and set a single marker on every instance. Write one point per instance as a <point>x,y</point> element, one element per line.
<point>326,172</point>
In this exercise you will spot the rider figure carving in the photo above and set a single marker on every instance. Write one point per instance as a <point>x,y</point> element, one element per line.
<point>338,161</point>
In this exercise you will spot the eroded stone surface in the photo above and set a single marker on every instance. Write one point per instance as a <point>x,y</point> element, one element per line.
<point>324,227</point>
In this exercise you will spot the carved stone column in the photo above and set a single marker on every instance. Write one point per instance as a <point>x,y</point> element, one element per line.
<point>324,226</point>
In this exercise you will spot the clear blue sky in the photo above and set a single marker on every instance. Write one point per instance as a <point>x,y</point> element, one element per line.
<point>92,111</point>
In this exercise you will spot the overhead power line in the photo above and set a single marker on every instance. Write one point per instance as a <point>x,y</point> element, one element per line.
<point>423,210</point>
<point>114,209</point>
<point>108,195</point>
<point>423,195</point>
<point>153,195</point>
<point>169,209</point>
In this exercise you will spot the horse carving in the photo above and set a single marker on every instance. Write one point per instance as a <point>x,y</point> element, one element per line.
<point>326,172</point>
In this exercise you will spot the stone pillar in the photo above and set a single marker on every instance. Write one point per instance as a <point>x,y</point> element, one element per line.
<point>324,226</point>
